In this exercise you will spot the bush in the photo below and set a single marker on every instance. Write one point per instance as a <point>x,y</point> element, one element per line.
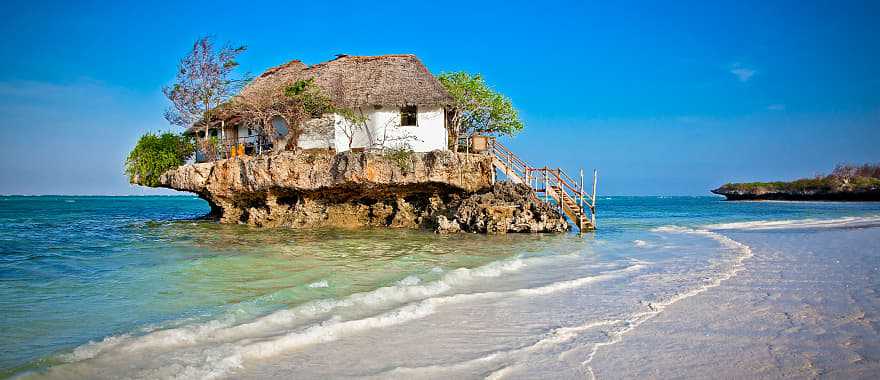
<point>401,156</point>
<point>155,154</point>
<point>314,103</point>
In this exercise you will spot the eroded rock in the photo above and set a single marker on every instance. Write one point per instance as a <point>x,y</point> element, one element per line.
<point>442,191</point>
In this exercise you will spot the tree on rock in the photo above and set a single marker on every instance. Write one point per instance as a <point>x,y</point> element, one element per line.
<point>477,108</point>
<point>205,80</point>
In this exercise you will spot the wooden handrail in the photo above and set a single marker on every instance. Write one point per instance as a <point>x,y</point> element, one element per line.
<point>554,179</point>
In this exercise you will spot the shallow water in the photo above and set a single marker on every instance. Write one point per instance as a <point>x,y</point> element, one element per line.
<point>110,287</point>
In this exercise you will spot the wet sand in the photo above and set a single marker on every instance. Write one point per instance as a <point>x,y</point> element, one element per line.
<point>805,305</point>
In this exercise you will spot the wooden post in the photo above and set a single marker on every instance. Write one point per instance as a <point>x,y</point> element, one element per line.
<point>560,201</point>
<point>581,193</point>
<point>561,190</point>
<point>593,208</point>
<point>507,167</point>
<point>493,174</point>
<point>546,189</point>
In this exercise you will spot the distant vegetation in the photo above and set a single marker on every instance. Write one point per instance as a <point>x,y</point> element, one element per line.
<point>844,178</point>
<point>155,154</point>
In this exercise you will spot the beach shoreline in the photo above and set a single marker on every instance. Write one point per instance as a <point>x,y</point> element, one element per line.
<point>804,306</point>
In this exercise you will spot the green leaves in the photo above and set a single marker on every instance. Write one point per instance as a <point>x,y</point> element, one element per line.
<point>478,108</point>
<point>298,87</point>
<point>304,91</point>
<point>155,154</point>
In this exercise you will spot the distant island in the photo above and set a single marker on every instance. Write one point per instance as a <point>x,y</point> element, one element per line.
<point>845,183</point>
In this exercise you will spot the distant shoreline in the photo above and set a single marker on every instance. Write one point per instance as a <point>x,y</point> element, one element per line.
<point>845,184</point>
<point>809,195</point>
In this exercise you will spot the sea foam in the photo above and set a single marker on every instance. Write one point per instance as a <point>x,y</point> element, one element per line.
<point>845,222</point>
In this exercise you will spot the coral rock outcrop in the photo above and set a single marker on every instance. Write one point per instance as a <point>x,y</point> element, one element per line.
<point>443,191</point>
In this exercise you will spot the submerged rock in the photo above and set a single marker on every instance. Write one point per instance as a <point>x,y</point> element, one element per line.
<point>442,191</point>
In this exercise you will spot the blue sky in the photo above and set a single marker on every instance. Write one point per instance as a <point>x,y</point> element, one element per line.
<point>662,97</point>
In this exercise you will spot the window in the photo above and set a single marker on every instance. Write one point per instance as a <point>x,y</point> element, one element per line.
<point>213,133</point>
<point>409,116</point>
<point>280,126</point>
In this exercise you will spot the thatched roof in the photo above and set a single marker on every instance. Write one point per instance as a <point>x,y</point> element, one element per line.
<point>358,81</point>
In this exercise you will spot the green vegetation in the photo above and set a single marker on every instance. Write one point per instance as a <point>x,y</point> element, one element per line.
<point>309,96</point>
<point>155,154</point>
<point>477,108</point>
<point>844,178</point>
<point>400,156</point>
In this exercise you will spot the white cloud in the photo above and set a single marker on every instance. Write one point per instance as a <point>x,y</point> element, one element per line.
<point>776,107</point>
<point>741,72</point>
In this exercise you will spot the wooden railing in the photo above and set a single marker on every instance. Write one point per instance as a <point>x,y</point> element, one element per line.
<point>554,184</point>
<point>229,147</point>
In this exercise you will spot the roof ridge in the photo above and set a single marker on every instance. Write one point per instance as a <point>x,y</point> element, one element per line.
<point>346,57</point>
<point>352,80</point>
<point>275,69</point>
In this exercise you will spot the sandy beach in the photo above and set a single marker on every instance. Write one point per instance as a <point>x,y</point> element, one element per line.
<point>804,306</point>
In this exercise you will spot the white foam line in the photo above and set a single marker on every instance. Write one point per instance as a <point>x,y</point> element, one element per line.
<point>219,331</point>
<point>657,308</point>
<point>556,337</point>
<point>851,221</point>
<point>559,335</point>
<point>333,330</point>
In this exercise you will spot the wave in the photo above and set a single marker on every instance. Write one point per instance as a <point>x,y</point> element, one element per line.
<point>226,329</point>
<point>616,328</point>
<point>760,225</point>
<point>655,308</point>
<point>335,329</point>
<point>223,347</point>
<point>223,329</point>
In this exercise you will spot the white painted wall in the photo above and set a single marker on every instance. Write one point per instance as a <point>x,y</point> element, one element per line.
<point>384,130</point>
<point>317,134</point>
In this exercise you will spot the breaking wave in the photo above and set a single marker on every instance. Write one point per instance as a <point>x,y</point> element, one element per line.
<point>224,330</point>
<point>846,222</point>
<point>216,347</point>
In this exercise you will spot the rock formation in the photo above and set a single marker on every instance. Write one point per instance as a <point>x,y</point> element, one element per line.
<point>443,191</point>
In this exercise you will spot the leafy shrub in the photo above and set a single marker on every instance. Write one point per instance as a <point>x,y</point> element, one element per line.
<point>155,154</point>
<point>400,156</point>
<point>305,92</point>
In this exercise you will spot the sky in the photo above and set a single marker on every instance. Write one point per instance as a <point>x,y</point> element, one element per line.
<point>663,98</point>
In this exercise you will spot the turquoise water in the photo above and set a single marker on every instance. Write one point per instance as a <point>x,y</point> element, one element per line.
<point>75,270</point>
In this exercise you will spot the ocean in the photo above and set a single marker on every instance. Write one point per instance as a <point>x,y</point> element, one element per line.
<point>695,287</point>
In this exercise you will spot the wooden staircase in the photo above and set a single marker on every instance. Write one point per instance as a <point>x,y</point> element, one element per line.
<point>553,186</point>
